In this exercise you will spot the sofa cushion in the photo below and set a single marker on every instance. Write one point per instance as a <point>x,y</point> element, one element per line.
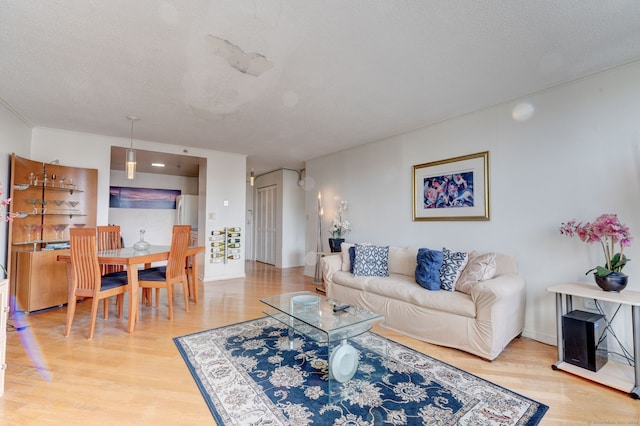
<point>402,260</point>
<point>350,280</point>
<point>402,287</point>
<point>371,261</point>
<point>452,265</point>
<point>428,267</point>
<point>480,267</point>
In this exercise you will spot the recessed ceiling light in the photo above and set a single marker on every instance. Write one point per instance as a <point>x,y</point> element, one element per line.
<point>157,164</point>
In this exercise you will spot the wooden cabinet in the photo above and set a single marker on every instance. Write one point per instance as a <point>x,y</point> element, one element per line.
<point>41,281</point>
<point>49,199</point>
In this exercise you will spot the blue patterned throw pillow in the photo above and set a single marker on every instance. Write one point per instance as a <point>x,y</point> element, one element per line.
<point>452,265</point>
<point>371,261</point>
<point>428,268</point>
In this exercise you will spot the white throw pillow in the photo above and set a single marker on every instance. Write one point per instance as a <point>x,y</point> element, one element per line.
<point>346,261</point>
<point>480,267</point>
<point>402,260</point>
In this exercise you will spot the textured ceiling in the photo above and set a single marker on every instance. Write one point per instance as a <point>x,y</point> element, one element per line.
<point>287,81</point>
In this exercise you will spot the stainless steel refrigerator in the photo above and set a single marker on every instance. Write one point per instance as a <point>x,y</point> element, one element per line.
<point>187,210</point>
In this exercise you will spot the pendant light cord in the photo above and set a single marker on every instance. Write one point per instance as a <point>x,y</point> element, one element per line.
<point>132,118</point>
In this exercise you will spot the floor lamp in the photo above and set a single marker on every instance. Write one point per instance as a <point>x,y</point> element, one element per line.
<point>317,278</point>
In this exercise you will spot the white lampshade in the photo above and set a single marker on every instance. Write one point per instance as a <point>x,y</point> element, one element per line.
<point>130,164</point>
<point>130,159</point>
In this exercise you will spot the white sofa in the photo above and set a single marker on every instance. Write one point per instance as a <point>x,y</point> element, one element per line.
<point>482,322</point>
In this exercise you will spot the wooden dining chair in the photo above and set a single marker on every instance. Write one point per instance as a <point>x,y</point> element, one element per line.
<point>173,273</point>
<point>109,239</point>
<point>87,280</point>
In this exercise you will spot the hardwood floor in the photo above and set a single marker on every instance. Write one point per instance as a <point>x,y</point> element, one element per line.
<point>140,378</point>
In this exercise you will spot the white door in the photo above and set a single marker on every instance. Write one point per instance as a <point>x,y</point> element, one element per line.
<point>266,227</point>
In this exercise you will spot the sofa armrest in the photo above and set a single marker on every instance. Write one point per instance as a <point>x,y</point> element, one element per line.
<point>499,299</point>
<point>330,265</point>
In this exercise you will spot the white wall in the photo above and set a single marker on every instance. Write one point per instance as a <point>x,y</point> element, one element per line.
<point>293,238</point>
<point>225,198</point>
<point>157,223</point>
<point>222,178</point>
<point>249,234</point>
<point>76,149</point>
<point>15,137</point>
<point>577,157</point>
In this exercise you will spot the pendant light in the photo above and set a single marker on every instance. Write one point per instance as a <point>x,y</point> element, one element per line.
<point>252,178</point>
<point>130,159</point>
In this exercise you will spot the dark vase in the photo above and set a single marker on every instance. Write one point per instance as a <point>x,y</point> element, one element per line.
<point>334,244</point>
<point>615,281</point>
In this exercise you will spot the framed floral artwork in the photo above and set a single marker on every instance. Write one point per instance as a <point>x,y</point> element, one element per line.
<point>452,189</point>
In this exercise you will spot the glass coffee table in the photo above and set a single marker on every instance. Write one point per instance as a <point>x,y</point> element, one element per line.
<point>313,316</point>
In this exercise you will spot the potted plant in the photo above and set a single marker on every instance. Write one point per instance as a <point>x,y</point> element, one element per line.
<point>5,217</point>
<point>339,227</point>
<point>609,232</point>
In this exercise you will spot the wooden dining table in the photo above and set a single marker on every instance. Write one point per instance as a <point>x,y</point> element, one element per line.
<point>132,259</point>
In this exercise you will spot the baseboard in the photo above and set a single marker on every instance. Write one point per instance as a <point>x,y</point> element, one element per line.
<point>222,277</point>
<point>548,339</point>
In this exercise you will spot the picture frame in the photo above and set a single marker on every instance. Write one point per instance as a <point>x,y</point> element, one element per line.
<point>124,197</point>
<point>452,189</point>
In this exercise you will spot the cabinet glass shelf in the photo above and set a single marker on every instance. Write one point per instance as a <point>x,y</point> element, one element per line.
<point>33,242</point>
<point>66,188</point>
<point>70,214</point>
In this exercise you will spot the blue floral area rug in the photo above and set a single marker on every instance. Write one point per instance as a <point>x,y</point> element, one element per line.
<point>254,373</point>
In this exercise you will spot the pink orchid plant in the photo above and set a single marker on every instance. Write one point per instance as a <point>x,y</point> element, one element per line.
<point>4,216</point>
<point>608,231</point>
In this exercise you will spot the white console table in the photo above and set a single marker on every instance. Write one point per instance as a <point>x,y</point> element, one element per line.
<point>613,374</point>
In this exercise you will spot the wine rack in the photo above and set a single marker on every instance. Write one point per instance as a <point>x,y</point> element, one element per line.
<point>226,245</point>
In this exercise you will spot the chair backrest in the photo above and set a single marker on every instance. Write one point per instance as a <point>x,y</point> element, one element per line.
<point>109,239</point>
<point>179,243</point>
<point>84,260</point>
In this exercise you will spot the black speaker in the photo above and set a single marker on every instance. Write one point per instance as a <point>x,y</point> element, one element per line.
<point>585,339</point>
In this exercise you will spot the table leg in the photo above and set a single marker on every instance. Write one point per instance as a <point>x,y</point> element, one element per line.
<point>635,317</point>
<point>132,276</point>
<point>193,280</point>
<point>559,330</point>
<point>70,294</point>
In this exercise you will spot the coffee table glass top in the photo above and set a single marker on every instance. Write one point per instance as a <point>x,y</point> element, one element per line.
<point>311,311</point>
